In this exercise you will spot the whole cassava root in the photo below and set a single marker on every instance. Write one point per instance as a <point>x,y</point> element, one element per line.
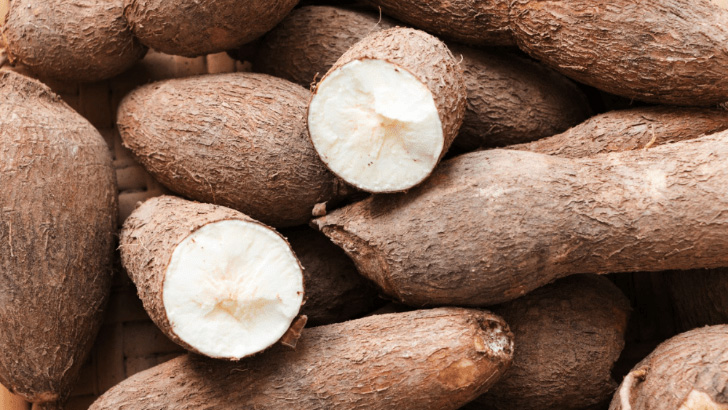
<point>335,291</point>
<point>670,52</point>
<point>493,233</point>
<point>388,110</point>
<point>567,337</point>
<point>237,140</point>
<point>85,40</point>
<point>466,21</point>
<point>56,238</point>
<point>512,99</point>
<point>310,40</point>
<point>687,372</point>
<point>192,28</point>
<point>215,281</point>
<point>448,356</point>
<point>631,129</point>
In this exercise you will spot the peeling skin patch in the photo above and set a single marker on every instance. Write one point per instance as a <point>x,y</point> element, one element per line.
<point>376,126</point>
<point>460,374</point>
<point>232,289</point>
<point>698,400</point>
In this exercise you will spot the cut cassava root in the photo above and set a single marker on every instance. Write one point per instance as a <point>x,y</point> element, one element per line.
<point>79,41</point>
<point>388,110</point>
<point>663,51</point>
<point>57,235</point>
<point>567,337</point>
<point>192,28</point>
<point>215,281</point>
<point>447,356</point>
<point>493,233</point>
<point>687,372</point>
<point>626,130</point>
<point>237,140</point>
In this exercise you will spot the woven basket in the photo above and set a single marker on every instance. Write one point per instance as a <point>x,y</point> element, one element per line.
<point>128,341</point>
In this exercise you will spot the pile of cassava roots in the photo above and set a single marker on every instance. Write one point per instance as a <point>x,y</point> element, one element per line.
<point>380,204</point>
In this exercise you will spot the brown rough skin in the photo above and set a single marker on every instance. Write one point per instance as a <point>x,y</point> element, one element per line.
<point>476,22</point>
<point>694,362</point>
<point>77,41</point>
<point>427,59</point>
<point>663,51</point>
<point>192,28</point>
<point>335,292</point>
<point>567,337</point>
<point>490,226</point>
<point>149,237</point>
<point>627,130</point>
<point>699,297</point>
<point>309,41</point>
<point>430,359</point>
<point>512,99</point>
<point>239,140</point>
<point>57,232</point>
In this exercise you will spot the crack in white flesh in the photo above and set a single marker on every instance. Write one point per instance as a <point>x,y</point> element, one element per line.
<point>376,126</point>
<point>232,288</point>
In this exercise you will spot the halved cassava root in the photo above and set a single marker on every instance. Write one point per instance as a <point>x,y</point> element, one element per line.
<point>664,51</point>
<point>493,233</point>
<point>388,110</point>
<point>447,356</point>
<point>84,40</point>
<point>57,235</point>
<point>687,372</point>
<point>215,281</point>
<point>625,130</point>
<point>567,337</point>
<point>192,28</point>
<point>237,140</point>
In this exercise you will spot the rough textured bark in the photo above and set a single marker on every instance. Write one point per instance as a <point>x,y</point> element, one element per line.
<point>192,28</point>
<point>687,372</point>
<point>237,140</point>
<point>427,59</point>
<point>700,297</point>
<point>512,99</point>
<point>432,359</point>
<point>632,129</point>
<point>664,51</point>
<point>79,41</point>
<point>150,236</point>
<point>309,41</point>
<point>467,21</point>
<point>335,292</point>
<point>490,226</point>
<point>57,233</point>
<point>567,337</point>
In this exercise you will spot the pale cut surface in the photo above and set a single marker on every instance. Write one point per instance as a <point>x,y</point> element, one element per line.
<point>376,126</point>
<point>232,289</point>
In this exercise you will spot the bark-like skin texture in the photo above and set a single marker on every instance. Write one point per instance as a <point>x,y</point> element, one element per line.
<point>335,291</point>
<point>193,28</point>
<point>310,40</point>
<point>695,361</point>
<point>512,100</point>
<point>699,297</point>
<point>664,51</point>
<point>77,41</point>
<point>632,129</point>
<point>149,237</point>
<point>427,59</point>
<point>57,234</point>
<point>567,335</point>
<point>474,22</point>
<point>431,359</point>
<point>490,226</point>
<point>239,140</point>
